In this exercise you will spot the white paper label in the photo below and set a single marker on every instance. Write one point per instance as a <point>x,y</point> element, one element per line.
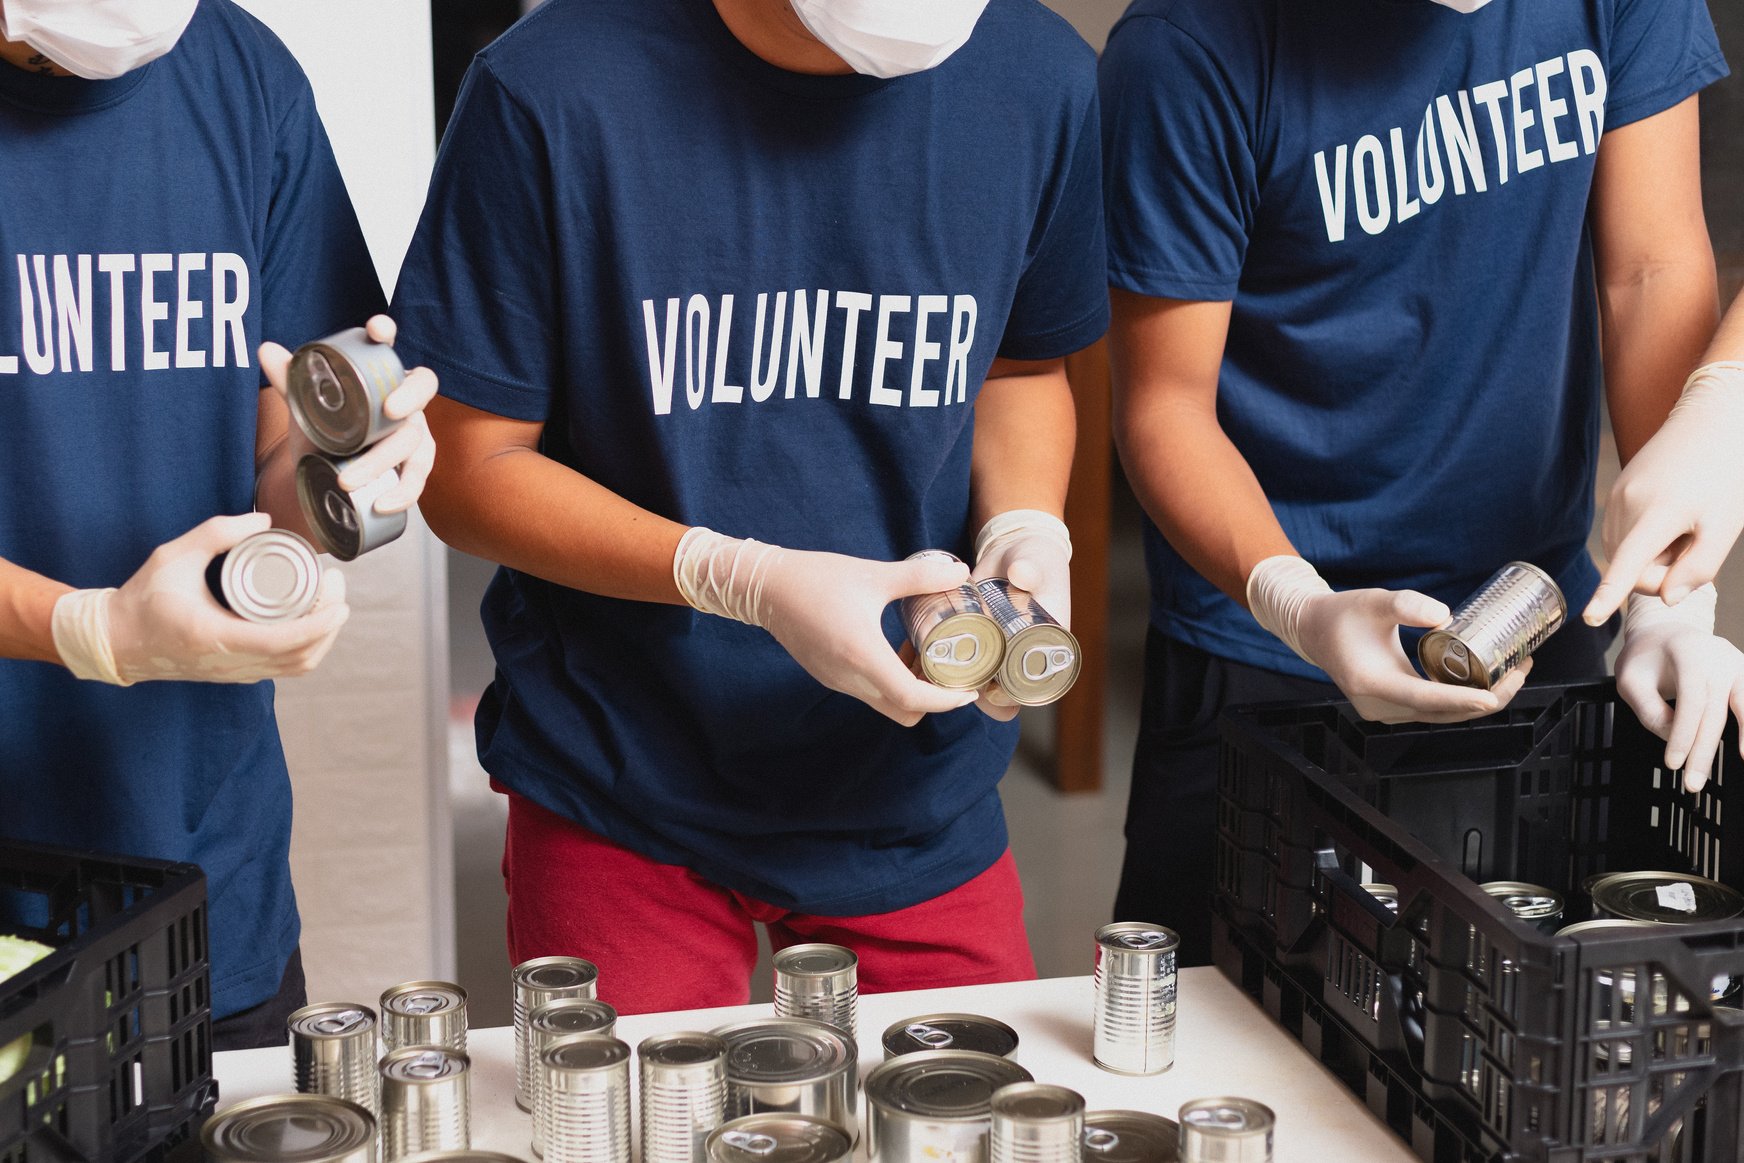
<point>1680,896</point>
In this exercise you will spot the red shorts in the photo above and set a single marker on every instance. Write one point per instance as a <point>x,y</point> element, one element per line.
<point>665,938</point>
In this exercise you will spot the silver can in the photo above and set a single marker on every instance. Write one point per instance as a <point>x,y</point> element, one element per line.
<point>424,1013</point>
<point>333,1052</point>
<point>1226,1130</point>
<point>776,1137</point>
<point>1036,1123</point>
<point>467,1156</point>
<point>958,644</point>
<point>536,982</point>
<point>345,524</point>
<point>1130,1137</point>
<point>270,576</point>
<point>426,1101</point>
<point>821,982</point>
<point>290,1128</point>
<point>684,1095</point>
<point>337,387</point>
<point>950,1032</point>
<point>563,1018</point>
<point>1387,894</point>
<point>1532,903</point>
<point>1496,629</point>
<point>1664,898</point>
<point>1134,1021</point>
<point>791,1064</point>
<point>583,1111</point>
<point>935,1105</point>
<point>1042,659</point>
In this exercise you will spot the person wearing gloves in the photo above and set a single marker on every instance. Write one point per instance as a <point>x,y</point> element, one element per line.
<point>168,199</point>
<point>1373,268</point>
<point>737,304</point>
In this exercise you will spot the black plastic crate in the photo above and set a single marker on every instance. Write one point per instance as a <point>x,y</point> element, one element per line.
<point>119,1016</point>
<point>1476,1037</point>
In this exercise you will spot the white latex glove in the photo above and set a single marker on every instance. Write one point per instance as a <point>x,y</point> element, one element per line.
<point>409,450</point>
<point>1676,510</point>
<point>1032,550</point>
<point>826,610</point>
<point>163,623</point>
<point>1672,652</point>
<point>1354,637</point>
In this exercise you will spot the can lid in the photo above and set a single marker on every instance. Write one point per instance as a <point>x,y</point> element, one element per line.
<point>420,999</point>
<point>572,1015</point>
<point>418,1065</point>
<point>579,1053</point>
<point>1590,927</point>
<point>1137,937</point>
<point>1226,1117</point>
<point>815,960</point>
<point>1130,1137</point>
<point>942,1084</point>
<point>1529,902</point>
<point>1036,1102</point>
<point>270,576</point>
<point>777,1137</point>
<point>784,1050</point>
<point>330,511</point>
<point>288,1128</point>
<point>950,1032</point>
<point>1666,898</point>
<point>336,385</point>
<point>331,1019</point>
<point>683,1048</point>
<point>467,1156</point>
<point>551,973</point>
<point>1387,894</point>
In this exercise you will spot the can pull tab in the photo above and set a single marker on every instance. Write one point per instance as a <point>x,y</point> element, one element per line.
<point>750,1141</point>
<point>1041,662</point>
<point>928,1035</point>
<point>339,511</point>
<point>1100,1139</point>
<point>340,1023</point>
<point>951,650</point>
<point>1220,1117</point>
<point>1456,661</point>
<point>427,1065</point>
<point>1149,939</point>
<point>423,1003</point>
<point>329,392</point>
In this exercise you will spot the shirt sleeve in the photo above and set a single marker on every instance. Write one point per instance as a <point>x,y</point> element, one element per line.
<point>1661,53</point>
<point>1178,169</point>
<point>476,295</point>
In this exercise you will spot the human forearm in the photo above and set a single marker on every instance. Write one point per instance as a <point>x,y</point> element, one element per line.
<point>1656,321</point>
<point>1025,429</point>
<point>27,602</point>
<point>275,487</point>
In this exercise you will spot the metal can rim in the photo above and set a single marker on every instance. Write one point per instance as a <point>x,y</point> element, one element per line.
<point>1260,1117</point>
<point>1106,935</point>
<point>526,969</point>
<point>1727,902</point>
<point>887,1075</point>
<point>359,1135</point>
<point>1547,902</point>
<point>457,995</point>
<point>294,1023</point>
<point>841,1055</point>
<point>900,1028</point>
<point>840,1150</point>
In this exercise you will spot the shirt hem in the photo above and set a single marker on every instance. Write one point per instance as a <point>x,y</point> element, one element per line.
<point>1061,341</point>
<point>1696,78</point>
<point>259,982</point>
<point>1167,285</point>
<point>477,389</point>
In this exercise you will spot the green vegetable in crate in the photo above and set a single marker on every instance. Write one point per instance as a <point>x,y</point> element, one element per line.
<point>17,955</point>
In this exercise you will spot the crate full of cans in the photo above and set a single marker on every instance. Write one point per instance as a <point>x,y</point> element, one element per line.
<point>1517,939</point>
<point>105,1034</point>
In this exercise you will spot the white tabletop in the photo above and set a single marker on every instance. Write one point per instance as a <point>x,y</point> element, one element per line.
<point>1224,1045</point>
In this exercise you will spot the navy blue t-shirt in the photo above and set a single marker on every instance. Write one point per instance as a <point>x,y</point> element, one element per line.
<point>762,302</point>
<point>154,230</point>
<point>1394,197</point>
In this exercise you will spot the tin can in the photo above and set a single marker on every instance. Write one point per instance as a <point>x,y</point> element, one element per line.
<point>774,1135</point>
<point>1532,903</point>
<point>1496,629</point>
<point>1130,1137</point>
<point>424,1013</point>
<point>950,1032</point>
<point>1033,1122</point>
<point>820,982</point>
<point>959,645</point>
<point>583,1111</point>
<point>1041,657</point>
<point>469,1155</point>
<point>333,1052</point>
<point>1387,894</point>
<point>1226,1130</point>
<point>290,1128</point>
<point>556,1020</point>
<point>684,1095</point>
<point>270,576</point>
<point>1134,1022</point>
<point>538,981</point>
<point>791,1064</point>
<point>1663,898</point>
<point>425,1101</point>
<point>345,524</point>
<point>935,1104</point>
<point>337,387</point>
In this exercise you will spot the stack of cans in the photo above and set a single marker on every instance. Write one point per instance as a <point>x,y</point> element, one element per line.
<point>1134,1020</point>
<point>1496,629</point>
<point>935,1104</point>
<point>292,1128</point>
<point>1036,1123</point>
<point>775,1135</point>
<point>965,637</point>
<point>541,980</point>
<point>424,1013</point>
<point>582,1111</point>
<point>425,1101</point>
<point>820,982</point>
<point>1041,657</point>
<point>271,576</point>
<point>556,1020</point>
<point>792,1065</point>
<point>1130,1137</point>
<point>333,1052</point>
<point>950,1032</point>
<point>684,1095</point>
<point>1226,1130</point>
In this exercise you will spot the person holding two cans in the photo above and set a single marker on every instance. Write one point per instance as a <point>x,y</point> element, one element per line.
<point>1374,265</point>
<point>737,304</point>
<point>168,197</point>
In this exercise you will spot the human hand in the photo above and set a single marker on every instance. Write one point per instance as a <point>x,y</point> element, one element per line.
<point>1671,654</point>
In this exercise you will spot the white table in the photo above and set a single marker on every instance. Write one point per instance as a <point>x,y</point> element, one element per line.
<point>1224,1044</point>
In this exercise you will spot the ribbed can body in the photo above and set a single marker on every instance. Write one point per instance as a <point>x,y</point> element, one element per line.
<point>536,982</point>
<point>1036,1123</point>
<point>333,1052</point>
<point>1496,629</point>
<point>684,1095</point>
<point>820,982</point>
<point>556,1021</point>
<point>425,1100</point>
<point>424,1013</point>
<point>582,1110</point>
<point>1134,1020</point>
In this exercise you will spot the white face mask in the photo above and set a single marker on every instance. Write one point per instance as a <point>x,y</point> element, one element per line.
<point>97,39</point>
<point>1466,6</point>
<point>890,38</point>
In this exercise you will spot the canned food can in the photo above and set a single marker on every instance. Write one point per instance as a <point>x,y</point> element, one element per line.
<point>424,1013</point>
<point>536,982</point>
<point>1130,1137</point>
<point>1134,1021</point>
<point>583,1111</point>
<point>555,1020</point>
<point>291,1128</point>
<point>1532,903</point>
<point>1033,1122</point>
<point>935,1104</point>
<point>1387,894</point>
<point>333,1052</point>
<point>337,387</point>
<point>270,576</point>
<point>791,1064</point>
<point>467,1156</point>
<point>777,1135</point>
<point>1226,1130</point>
<point>959,645</point>
<point>820,982</point>
<point>1496,629</point>
<point>684,1095</point>
<point>1664,898</point>
<point>1042,659</point>
<point>425,1101</point>
<point>950,1032</point>
<point>345,524</point>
